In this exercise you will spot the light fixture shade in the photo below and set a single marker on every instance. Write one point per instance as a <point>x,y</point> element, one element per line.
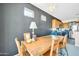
<point>33,25</point>
<point>51,7</point>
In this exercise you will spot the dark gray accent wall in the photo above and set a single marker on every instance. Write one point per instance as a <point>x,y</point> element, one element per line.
<point>13,24</point>
<point>2,34</point>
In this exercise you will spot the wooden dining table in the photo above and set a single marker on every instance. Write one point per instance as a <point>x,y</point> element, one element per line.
<point>40,46</point>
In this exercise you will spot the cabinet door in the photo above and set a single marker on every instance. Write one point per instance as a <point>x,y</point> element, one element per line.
<point>55,23</point>
<point>76,36</point>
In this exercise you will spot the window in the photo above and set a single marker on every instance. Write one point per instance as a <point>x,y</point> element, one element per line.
<point>74,27</point>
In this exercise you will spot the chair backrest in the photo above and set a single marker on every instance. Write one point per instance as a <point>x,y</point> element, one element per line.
<point>65,41</point>
<point>18,44</point>
<point>22,49</point>
<point>52,48</point>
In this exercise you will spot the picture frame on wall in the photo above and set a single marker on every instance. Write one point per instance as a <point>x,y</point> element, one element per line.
<point>43,17</point>
<point>28,12</point>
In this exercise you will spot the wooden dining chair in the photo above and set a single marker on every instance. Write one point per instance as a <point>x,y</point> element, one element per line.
<point>21,48</point>
<point>63,43</point>
<point>53,51</point>
<point>18,45</point>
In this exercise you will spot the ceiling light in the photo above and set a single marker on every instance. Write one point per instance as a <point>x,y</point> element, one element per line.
<point>51,7</point>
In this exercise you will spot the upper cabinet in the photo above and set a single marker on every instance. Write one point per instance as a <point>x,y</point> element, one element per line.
<point>56,23</point>
<point>65,25</point>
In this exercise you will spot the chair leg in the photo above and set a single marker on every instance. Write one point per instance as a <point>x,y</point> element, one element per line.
<point>66,51</point>
<point>61,52</point>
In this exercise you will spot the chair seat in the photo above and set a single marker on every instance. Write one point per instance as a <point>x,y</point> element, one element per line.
<point>48,53</point>
<point>27,54</point>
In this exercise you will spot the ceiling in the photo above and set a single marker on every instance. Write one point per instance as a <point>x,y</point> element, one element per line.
<point>63,11</point>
